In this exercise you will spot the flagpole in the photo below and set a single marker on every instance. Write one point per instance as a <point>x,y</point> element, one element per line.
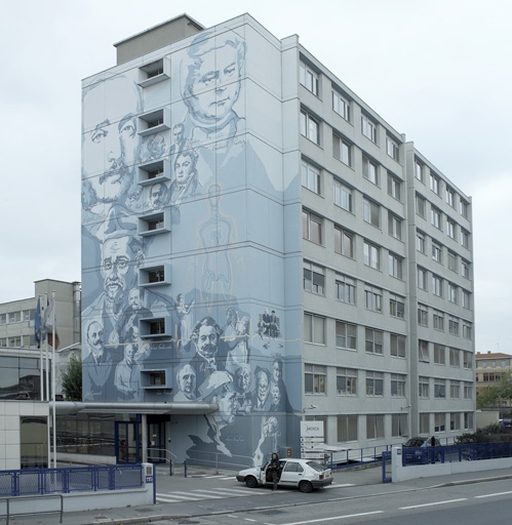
<point>54,381</point>
<point>40,343</point>
<point>47,396</point>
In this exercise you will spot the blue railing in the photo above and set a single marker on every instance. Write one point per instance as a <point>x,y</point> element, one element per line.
<point>65,480</point>
<point>352,457</point>
<point>454,453</point>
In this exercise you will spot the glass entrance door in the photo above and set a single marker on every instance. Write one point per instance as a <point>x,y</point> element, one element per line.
<point>156,439</point>
<point>127,442</point>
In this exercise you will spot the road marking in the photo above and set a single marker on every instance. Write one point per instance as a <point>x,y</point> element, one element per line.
<point>495,494</point>
<point>337,517</point>
<point>445,502</point>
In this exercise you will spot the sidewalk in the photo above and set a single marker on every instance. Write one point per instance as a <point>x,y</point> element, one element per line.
<point>347,483</point>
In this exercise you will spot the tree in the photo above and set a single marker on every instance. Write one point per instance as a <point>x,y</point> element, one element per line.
<point>72,379</point>
<point>494,396</point>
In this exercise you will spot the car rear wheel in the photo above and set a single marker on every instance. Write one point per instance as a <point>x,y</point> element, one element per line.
<point>251,482</point>
<point>305,486</point>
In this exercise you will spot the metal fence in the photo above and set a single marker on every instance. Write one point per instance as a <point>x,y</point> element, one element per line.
<point>65,480</point>
<point>454,453</point>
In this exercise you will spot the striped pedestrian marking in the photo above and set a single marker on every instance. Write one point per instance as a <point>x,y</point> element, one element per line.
<point>202,494</point>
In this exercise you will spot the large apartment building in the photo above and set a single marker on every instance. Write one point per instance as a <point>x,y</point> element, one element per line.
<point>261,248</point>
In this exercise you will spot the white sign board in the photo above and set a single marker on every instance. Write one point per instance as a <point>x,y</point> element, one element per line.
<point>311,429</point>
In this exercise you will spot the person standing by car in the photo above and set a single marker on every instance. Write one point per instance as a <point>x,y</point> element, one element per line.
<point>274,468</point>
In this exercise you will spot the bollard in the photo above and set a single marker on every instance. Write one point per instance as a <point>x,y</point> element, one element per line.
<point>185,468</point>
<point>170,467</point>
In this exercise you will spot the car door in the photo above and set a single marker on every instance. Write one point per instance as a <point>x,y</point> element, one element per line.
<point>292,473</point>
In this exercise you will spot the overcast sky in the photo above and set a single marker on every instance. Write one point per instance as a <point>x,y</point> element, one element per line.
<point>438,70</point>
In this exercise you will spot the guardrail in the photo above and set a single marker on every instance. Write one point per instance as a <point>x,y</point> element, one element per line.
<point>41,509</point>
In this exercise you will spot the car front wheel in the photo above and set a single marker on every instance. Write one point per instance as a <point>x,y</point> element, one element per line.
<point>251,482</point>
<point>305,486</point>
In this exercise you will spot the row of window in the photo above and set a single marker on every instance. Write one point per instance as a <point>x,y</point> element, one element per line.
<point>17,317</point>
<point>341,104</point>
<point>454,293</point>
<point>420,172</point>
<point>453,230</point>
<point>17,341</point>
<point>492,364</point>
<point>456,357</point>
<point>456,388</point>
<point>348,425</point>
<point>438,322</point>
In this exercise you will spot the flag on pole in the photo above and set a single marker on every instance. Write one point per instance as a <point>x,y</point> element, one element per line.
<point>38,324</point>
<point>50,326</point>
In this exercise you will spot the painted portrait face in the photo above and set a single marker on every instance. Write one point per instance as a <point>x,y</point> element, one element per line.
<point>134,300</point>
<point>187,379</point>
<point>183,168</point>
<point>207,342</point>
<point>242,379</point>
<point>216,84</point>
<point>276,371</point>
<point>262,387</point>
<point>110,143</point>
<point>177,133</point>
<point>227,406</point>
<point>276,395</point>
<point>129,353</point>
<point>156,195</point>
<point>115,266</point>
<point>95,338</point>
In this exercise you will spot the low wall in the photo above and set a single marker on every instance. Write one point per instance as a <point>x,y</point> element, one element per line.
<point>400,473</point>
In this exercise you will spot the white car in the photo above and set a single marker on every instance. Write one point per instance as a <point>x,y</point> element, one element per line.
<point>302,473</point>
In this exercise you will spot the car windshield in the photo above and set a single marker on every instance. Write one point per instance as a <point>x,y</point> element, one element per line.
<point>415,442</point>
<point>315,466</point>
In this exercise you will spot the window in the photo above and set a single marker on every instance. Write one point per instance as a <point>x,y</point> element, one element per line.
<point>437,285</point>
<point>347,428</point>
<point>397,306</point>
<point>467,360</point>
<point>397,345</point>
<point>454,357</point>
<point>371,255</point>
<point>466,300</point>
<point>421,206</point>
<point>454,390</point>
<point>309,127</point>
<point>464,208</point>
<point>435,183</point>
<point>310,177</point>
<point>341,149</point>
<point>394,187</point>
<point>394,226</point>
<point>422,278</point>
<point>453,326</point>
<point>395,265</point>
<point>3,342</point>
<point>440,388</point>
<point>421,242</point>
<point>315,379</point>
<point>374,383</point>
<point>423,352</point>
<point>346,335</point>
<point>343,242</point>
<point>374,426</point>
<point>468,391</point>
<point>341,105</point>
<point>423,387</point>
<point>439,354</point>
<point>437,252</point>
<point>438,321</point>
<point>154,276</point>
<point>454,421</point>
<point>373,341</point>
<point>14,342</point>
<point>392,148</point>
<point>464,238</point>
<point>153,73</point>
<point>399,425</point>
<point>418,170</point>
<point>464,268</point>
<point>453,293</point>
<point>311,227</point>
<point>439,422</point>
<point>422,315</point>
<point>342,195</point>
<point>346,289</point>
<point>314,278</point>
<point>397,385</point>
<point>154,224</point>
<point>371,170</point>
<point>314,329</point>
<point>424,424</point>
<point>152,327</point>
<point>467,331</point>
<point>435,217</point>
<point>3,318</point>
<point>468,420</point>
<point>450,228</point>
<point>346,381</point>
<point>452,261</point>
<point>450,197</point>
<point>309,78</point>
<point>368,128</point>
<point>371,212</point>
<point>373,299</point>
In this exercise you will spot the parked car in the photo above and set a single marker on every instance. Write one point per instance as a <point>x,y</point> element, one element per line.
<point>421,450</point>
<point>302,473</point>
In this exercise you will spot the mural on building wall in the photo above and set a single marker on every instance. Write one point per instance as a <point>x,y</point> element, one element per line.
<point>183,337</point>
